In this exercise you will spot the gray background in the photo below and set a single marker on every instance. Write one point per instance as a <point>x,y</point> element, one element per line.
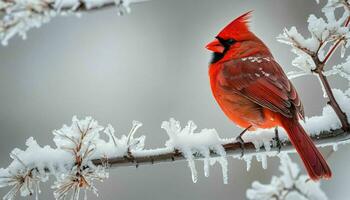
<point>149,66</point>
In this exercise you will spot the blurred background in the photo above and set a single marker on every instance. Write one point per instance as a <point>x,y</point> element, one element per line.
<point>149,66</point>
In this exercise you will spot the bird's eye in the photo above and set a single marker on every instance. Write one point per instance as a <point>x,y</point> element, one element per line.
<point>226,42</point>
<point>230,41</point>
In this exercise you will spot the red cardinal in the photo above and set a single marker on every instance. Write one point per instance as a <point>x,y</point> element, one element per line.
<point>253,91</point>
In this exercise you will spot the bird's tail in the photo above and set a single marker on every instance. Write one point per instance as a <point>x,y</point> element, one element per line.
<point>313,160</point>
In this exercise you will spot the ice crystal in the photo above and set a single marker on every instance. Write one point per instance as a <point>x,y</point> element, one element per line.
<point>18,16</point>
<point>290,185</point>
<point>79,178</point>
<point>191,143</point>
<point>323,31</point>
<point>24,180</point>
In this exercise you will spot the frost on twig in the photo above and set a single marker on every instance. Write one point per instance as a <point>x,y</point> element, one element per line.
<point>342,70</point>
<point>70,162</point>
<point>81,156</point>
<point>290,185</point>
<point>314,52</point>
<point>18,16</point>
<point>323,32</point>
<point>191,143</point>
<point>25,181</point>
<point>79,140</point>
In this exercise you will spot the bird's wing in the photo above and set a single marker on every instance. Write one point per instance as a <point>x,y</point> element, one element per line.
<point>262,81</point>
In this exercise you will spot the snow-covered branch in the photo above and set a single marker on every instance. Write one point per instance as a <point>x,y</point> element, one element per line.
<point>290,185</point>
<point>19,16</point>
<point>82,156</point>
<point>311,52</point>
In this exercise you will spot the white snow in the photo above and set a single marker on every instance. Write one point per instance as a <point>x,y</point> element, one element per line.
<point>39,162</point>
<point>342,70</point>
<point>290,185</point>
<point>322,31</point>
<point>313,125</point>
<point>295,74</point>
<point>18,17</point>
<point>263,159</point>
<point>78,143</point>
<point>257,59</point>
<point>190,142</point>
<point>35,164</point>
<point>248,160</point>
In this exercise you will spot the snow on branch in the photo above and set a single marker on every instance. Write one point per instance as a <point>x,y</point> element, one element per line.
<point>19,16</point>
<point>290,185</point>
<point>313,52</point>
<point>81,156</point>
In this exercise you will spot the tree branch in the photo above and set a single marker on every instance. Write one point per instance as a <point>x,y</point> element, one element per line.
<point>333,103</point>
<point>319,71</point>
<point>83,8</point>
<point>17,17</point>
<point>325,138</point>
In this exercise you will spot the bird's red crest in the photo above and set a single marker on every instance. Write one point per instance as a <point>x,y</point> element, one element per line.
<point>237,27</point>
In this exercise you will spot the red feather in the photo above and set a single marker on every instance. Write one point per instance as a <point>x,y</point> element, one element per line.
<point>236,27</point>
<point>252,90</point>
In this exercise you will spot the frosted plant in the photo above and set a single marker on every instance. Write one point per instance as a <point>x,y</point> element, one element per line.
<point>313,52</point>
<point>291,185</point>
<point>24,181</point>
<point>79,140</point>
<point>323,31</point>
<point>81,156</point>
<point>71,162</point>
<point>18,16</point>
<point>79,178</point>
<point>190,143</point>
<point>342,69</point>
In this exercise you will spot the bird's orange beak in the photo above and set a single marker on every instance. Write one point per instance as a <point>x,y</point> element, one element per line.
<point>215,46</point>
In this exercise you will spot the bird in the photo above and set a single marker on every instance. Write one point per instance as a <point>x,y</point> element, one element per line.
<point>253,91</point>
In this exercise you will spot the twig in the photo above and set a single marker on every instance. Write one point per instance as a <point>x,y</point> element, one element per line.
<point>83,8</point>
<point>325,138</point>
<point>319,71</point>
<point>333,103</point>
<point>331,51</point>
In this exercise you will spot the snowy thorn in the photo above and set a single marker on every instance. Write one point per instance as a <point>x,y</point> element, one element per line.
<point>15,157</point>
<point>77,180</point>
<point>110,132</point>
<point>87,129</point>
<point>26,182</point>
<point>135,125</point>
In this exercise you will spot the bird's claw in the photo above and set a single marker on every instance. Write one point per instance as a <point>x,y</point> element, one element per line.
<point>240,140</point>
<point>241,144</point>
<point>278,142</point>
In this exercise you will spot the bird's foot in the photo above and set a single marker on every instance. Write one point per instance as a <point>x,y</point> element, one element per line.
<point>240,140</point>
<point>278,142</point>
